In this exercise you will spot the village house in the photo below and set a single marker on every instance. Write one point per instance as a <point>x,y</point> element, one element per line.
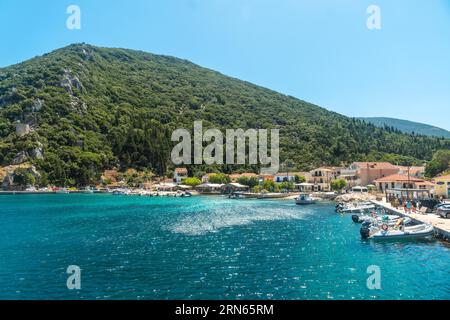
<point>180,174</point>
<point>233,187</point>
<point>321,178</point>
<point>413,171</point>
<point>365,173</point>
<point>442,186</point>
<point>289,176</point>
<point>403,185</point>
<point>209,188</point>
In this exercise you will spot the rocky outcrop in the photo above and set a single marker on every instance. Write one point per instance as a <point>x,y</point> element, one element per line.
<point>37,105</point>
<point>20,158</point>
<point>8,182</point>
<point>33,171</point>
<point>70,81</point>
<point>355,196</point>
<point>37,153</point>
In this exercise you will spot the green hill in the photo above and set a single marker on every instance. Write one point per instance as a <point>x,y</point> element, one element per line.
<point>92,109</point>
<point>409,126</point>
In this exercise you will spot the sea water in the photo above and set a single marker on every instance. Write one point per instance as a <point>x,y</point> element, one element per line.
<point>131,247</point>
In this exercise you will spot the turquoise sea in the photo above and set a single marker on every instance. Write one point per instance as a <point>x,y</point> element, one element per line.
<point>203,248</point>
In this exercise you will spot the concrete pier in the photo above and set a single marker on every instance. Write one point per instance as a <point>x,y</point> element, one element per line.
<point>441,225</point>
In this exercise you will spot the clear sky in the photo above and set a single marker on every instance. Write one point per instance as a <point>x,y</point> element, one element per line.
<point>320,51</point>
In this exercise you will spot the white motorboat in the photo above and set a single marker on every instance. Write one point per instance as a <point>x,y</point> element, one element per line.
<point>356,208</point>
<point>387,232</point>
<point>87,190</point>
<point>378,219</point>
<point>305,198</point>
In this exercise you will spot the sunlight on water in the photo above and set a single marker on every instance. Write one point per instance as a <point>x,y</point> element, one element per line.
<point>204,248</point>
<point>223,215</point>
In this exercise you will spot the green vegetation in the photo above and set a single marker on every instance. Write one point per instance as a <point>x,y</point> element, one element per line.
<point>248,181</point>
<point>193,182</point>
<point>338,184</point>
<point>270,186</point>
<point>92,109</point>
<point>299,179</point>
<point>286,185</point>
<point>439,164</point>
<point>219,178</point>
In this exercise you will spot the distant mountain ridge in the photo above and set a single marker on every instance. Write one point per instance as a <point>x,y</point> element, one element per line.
<point>85,109</point>
<point>408,126</point>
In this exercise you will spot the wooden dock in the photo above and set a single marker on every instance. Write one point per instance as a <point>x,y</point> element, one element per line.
<point>441,225</point>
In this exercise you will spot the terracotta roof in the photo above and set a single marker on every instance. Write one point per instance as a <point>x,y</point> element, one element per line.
<point>425,183</point>
<point>290,173</point>
<point>245,174</point>
<point>375,165</point>
<point>412,170</point>
<point>399,178</point>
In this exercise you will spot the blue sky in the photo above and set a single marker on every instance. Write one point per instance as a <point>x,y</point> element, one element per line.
<point>317,50</point>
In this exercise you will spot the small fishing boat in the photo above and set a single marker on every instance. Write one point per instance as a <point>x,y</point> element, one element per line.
<point>305,198</point>
<point>119,192</point>
<point>387,232</point>
<point>87,190</point>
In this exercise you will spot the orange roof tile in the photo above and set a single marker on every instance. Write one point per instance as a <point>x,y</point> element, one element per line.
<point>399,178</point>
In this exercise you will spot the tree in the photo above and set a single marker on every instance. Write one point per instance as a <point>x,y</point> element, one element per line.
<point>23,178</point>
<point>338,184</point>
<point>270,186</point>
<point>193,182</point>
<point>286,185</point>
<point>248,181</point>
<point>219,178</point>
<point>439,163</point>
<point>299,179</point>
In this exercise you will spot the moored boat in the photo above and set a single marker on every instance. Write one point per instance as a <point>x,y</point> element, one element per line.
<point>387,232</point>
<point>361,218</point>
<point>355,207</point>
<point>305,198</point>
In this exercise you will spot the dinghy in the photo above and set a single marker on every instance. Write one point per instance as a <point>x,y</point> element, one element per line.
<point>386,232</point>
<point>390,219</point>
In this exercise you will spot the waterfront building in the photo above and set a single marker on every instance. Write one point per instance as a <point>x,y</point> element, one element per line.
<point>365,173</point>
<point>442,186</point>
<point>209,188</point>
<point>321,178</point>
<point>180,174</point>
<point>233,187</point>
<point>404,186</point>
<point>413,171</point>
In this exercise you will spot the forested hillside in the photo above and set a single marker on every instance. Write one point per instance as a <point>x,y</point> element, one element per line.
<point>91,109</point>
